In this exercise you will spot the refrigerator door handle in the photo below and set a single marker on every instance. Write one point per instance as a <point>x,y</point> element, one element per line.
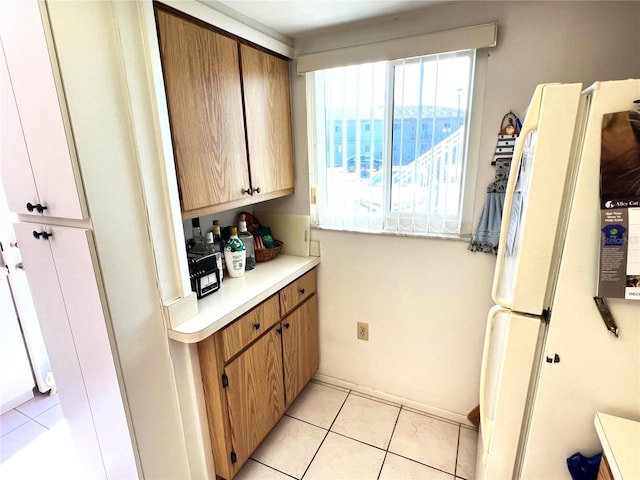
<point>486,424</point>
<point>530,125</point>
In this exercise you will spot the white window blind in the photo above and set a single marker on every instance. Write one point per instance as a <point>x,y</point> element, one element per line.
<point>390,141</point>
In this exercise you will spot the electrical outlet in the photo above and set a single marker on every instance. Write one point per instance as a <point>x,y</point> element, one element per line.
<point>363,331</point>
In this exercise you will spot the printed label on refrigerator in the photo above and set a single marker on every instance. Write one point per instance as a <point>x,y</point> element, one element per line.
<point>620,206</point>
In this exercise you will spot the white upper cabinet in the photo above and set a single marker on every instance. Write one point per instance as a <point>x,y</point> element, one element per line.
<point>39,173</point>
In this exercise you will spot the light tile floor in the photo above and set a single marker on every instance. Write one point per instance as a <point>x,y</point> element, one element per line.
<point>333,433</point>
<point>329,433</point>
<point>35,442</point>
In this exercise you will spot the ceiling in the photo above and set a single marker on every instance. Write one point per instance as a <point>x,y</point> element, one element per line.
<point>294,17</point>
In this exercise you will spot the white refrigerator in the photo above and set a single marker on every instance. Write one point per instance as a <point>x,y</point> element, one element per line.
<point>549,363</point>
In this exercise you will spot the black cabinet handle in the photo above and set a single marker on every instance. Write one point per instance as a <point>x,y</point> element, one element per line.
<point>37,206</point>
<point>247,191</point>
<point>256,190</point>
<point>256,326</point>
<point>42,234</point>
<point>287,325</point>
<point>301,291</point>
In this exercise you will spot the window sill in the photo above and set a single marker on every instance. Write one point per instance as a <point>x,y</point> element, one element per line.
<point>427,236</point>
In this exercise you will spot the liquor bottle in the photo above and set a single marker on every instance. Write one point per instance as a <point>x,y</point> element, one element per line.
<point>197,243</point>
<point>219,241</point>
<point>235,254</point>
<point>249,245</point>
<point>217,236</point>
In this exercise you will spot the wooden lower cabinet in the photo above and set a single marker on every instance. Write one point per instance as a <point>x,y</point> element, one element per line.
<point>300,348</point>
<point>604,472</point>
<point>255,393</point>
<point>248,386</point>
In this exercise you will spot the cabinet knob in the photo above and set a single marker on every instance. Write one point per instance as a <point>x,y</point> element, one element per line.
<point>247,191</point>
<point>42,234</point>
<point>19,266</point>
<point>287,325</point>
<point>37,206</point>
<point>301,291</point>
<point>256,190</point>
<point>256,326</point>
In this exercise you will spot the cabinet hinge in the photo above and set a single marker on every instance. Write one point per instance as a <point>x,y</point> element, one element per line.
<point>234,459</point>
<point>546,315</point>
<point>225,381</point>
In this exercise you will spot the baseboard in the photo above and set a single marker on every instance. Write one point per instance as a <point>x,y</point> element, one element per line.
<point>421,407</point>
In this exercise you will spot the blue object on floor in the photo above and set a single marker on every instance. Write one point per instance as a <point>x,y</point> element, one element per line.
<point>584,468</point>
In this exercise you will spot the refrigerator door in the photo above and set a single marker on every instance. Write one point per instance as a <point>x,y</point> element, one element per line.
<point>597,371</point>
<point>534,197</point>
<point>511,343</point>
<point>15,372</point>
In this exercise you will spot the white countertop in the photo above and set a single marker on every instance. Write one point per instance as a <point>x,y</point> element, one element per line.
<point>620,439</point>
<point>239,295</point>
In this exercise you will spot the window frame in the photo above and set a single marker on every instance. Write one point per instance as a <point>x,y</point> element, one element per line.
<point>317,139</point>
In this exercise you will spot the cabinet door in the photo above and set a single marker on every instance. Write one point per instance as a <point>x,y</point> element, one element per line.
<point>300,347</point>
<point>33,121</point>
<point>41,273</point>
<point>265,80</point>
<point>62,277</point>
<point>202,82</point>
<point>255,394</point>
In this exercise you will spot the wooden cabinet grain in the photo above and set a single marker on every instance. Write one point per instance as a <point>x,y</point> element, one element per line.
<point>251,375</point>
<point>300,348</point>
<point>604,472</point>
<point>229,110</point>
<point>265,81</point>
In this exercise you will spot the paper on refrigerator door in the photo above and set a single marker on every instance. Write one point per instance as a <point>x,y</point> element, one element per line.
<point>620,202</point>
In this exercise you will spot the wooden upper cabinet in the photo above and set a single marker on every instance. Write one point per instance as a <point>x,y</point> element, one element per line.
<point>229,110</point>
<point>265,80</point>
<point>202,83</point>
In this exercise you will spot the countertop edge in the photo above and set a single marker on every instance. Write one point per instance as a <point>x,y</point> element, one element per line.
<point>610,429</point>
<point>200,327</point>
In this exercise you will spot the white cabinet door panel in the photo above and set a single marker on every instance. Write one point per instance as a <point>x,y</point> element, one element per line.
<point>33,85</point>
<point>72,254</point>
<point>15,166</point>
<point>47,297</point>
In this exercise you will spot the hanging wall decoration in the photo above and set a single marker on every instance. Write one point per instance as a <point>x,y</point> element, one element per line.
<point>487,234</point>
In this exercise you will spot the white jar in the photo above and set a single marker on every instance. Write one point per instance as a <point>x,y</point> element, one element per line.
<point>235,254</point>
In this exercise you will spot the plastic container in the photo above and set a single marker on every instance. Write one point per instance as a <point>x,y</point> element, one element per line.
<point>235,254</point>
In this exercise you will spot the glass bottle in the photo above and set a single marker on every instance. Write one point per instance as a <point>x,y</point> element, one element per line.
<point>247,239</point>
<point>217,236</point>
<point>197,243</point>
<point>235,254</point>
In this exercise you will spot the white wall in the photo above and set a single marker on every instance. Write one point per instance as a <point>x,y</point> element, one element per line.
<point>425,299</point>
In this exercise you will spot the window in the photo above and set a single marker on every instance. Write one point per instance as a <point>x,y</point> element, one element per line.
<point>403,170</point>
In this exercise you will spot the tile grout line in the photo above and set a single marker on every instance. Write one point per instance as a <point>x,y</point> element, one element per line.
<point>270,467</point>
<point>386,453</point>
<point>402,407</point>
<point>455,466</point>
<point>325,435</point>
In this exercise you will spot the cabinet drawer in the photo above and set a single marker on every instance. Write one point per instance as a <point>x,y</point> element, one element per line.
<point>249,327</point>
<point>297,292</point>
